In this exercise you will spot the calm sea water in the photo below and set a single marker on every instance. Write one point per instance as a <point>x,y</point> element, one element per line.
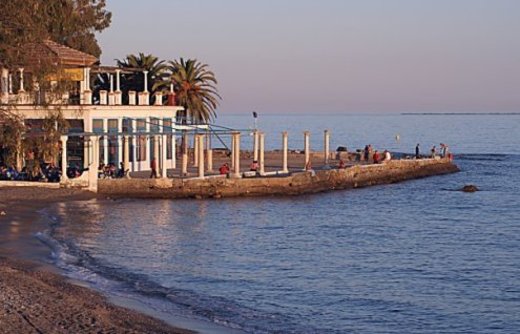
<point>413,257</point>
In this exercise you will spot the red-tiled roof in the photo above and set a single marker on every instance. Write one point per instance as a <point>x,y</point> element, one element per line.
<point>58,54</point>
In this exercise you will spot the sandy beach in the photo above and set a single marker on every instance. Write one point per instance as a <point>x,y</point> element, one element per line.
<point>37,300</point>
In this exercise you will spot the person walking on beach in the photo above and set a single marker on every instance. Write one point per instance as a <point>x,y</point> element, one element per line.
<point>153,166</point>
<point>417,152</point>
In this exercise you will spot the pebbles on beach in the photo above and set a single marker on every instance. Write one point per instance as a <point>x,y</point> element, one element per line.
<point>42,302</point>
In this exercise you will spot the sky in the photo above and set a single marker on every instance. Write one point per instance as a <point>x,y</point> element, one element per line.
<point>335,56</point>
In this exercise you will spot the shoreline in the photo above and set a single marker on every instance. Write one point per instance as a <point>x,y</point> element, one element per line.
<point>30,284</point>
<point>39,297</point>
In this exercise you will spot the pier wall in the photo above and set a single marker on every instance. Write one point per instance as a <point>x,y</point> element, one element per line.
<point>293,184</point>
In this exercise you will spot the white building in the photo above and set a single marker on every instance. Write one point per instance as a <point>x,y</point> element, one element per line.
<point>111,114</point>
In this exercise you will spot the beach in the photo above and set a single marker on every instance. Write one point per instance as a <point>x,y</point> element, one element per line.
<point>36,299</point>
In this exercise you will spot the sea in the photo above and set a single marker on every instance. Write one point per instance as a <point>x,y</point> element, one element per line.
<point>414,257</point>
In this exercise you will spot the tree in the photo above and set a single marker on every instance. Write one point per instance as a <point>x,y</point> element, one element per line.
<point>12,129</point>
<point>195,89</point>
<point>141,62</point>
<point>69,22</point>
<point>25,22</point>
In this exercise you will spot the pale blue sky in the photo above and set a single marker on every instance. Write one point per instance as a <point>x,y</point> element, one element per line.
<point>329,56</point>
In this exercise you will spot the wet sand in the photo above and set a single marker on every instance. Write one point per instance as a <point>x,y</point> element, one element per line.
<point>36,300</point>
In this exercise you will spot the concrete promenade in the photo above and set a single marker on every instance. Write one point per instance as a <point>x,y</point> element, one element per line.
<point>296,182</point>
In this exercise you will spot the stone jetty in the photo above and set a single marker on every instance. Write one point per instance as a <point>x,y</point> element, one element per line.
<point>292,183</point>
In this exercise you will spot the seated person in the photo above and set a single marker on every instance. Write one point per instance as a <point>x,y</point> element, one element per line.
<point>254,166</point>
<point>376,157</point>
<point>388,156</point>
<point>224,169</point>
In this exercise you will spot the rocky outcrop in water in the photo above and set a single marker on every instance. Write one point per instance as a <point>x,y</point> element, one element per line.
<point>470,188</point>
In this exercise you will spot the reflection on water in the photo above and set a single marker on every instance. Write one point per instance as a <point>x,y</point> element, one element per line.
<point>404,258</point>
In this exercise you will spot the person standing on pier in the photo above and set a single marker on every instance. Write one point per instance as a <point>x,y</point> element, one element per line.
<point>417,152</point>
<point>153,166</point>
<point>433,152</point>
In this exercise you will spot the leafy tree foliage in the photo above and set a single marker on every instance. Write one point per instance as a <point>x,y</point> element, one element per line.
<point>22,22</point>
<point>195,89</point>
<point>68,22</point>
<point>141,62</point>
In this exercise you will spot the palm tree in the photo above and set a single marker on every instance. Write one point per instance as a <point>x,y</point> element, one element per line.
<point>194,86</point>
<point>157,74</point>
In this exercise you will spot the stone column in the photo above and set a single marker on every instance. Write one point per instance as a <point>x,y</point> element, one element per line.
<point>111,94</point>
<point>131,98</point>
<point>232,151</point>
<point>119,140</point>
<point>164,168</point>
<point>133,140</point>
<point>21,69</point>
<point>87,151</point>
<point>158,99</point>
<point>236,149</point>
<point>174,150</point>
<point>200,144</point>
<point>87,94</point>
<point>118,80</point>
<point>64,177</point>
<point>126,154</point>
<point>93,167</point>
<point>209,154</point>
<point>149,140</point>
<point>285,149</point>
<point>105,141</point>
<point>196,150</point>
<point>261,153</point>
<point>184,167</point>
<point>103,100</point>
<point>156,151</point>
<point>144,95</point>
<point>306,148</point>
<point>326,146</point>
<point>118,94</point>
<point>145,74</point>
<point>4,83</point>
<point>255,145</point>
<point>10,83</point>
